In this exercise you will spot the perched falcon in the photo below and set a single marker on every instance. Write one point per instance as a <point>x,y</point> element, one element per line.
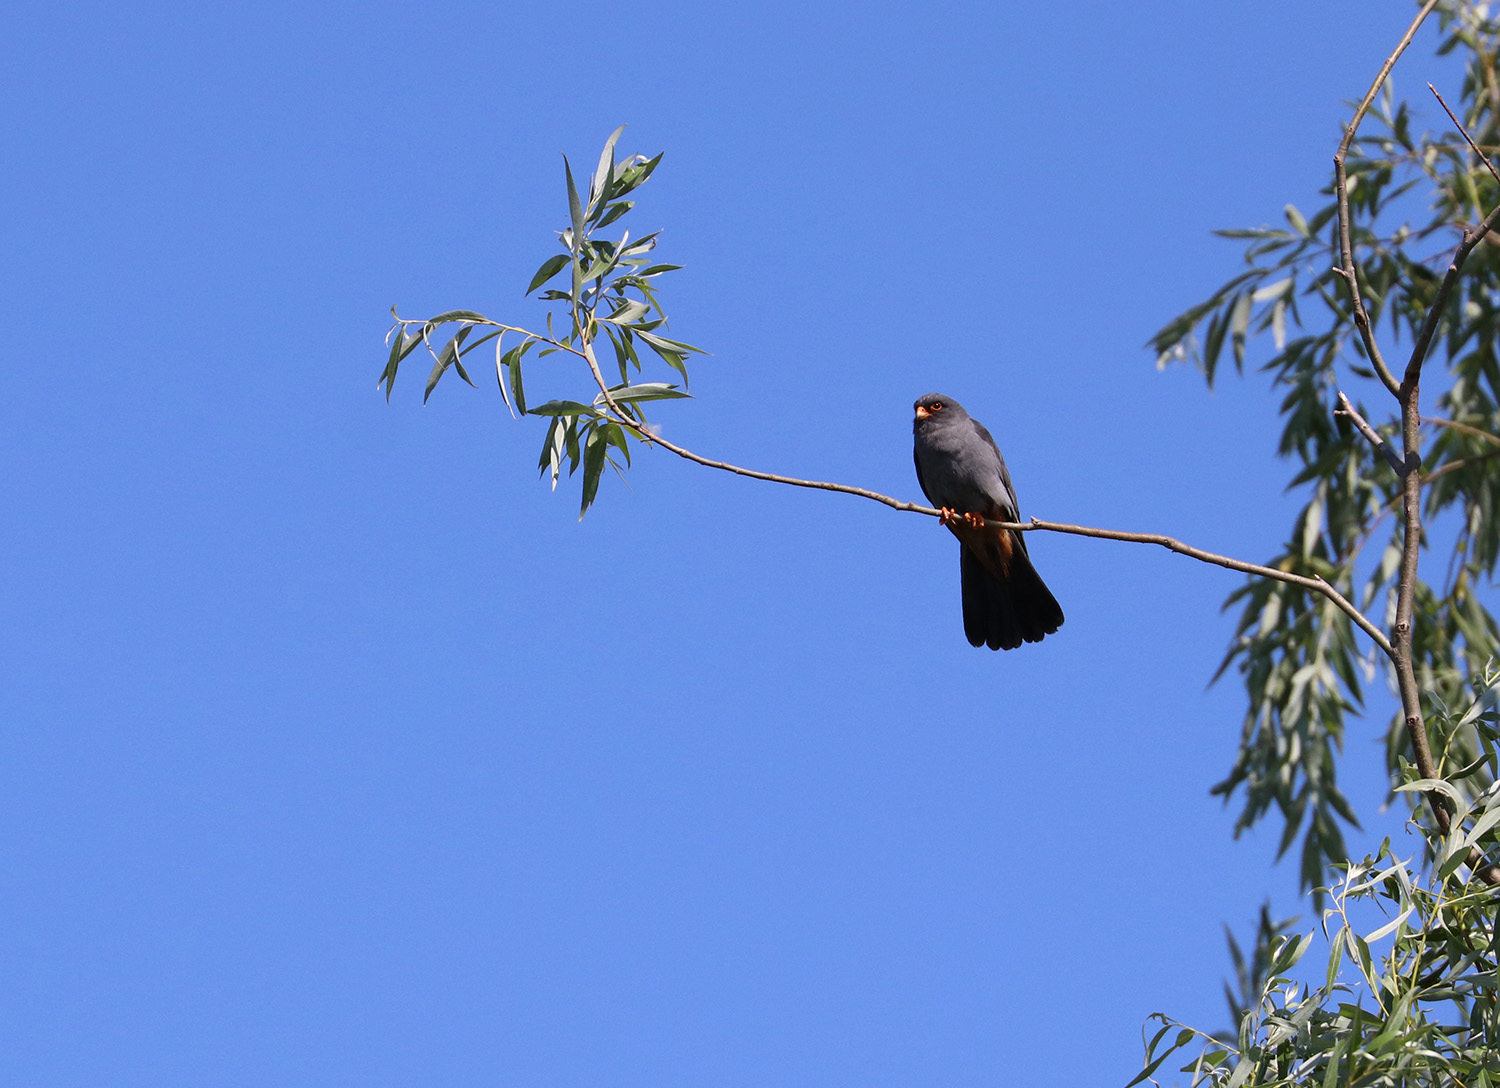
<point>962,473</point>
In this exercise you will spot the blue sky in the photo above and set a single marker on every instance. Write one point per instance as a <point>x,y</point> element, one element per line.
<point>336,751</point>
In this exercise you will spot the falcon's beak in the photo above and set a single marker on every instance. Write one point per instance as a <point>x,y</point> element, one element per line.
<point>922,413</point>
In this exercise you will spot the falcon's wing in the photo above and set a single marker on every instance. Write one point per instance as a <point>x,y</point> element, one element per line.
<point>917,460</point>
<point>1009,495</point>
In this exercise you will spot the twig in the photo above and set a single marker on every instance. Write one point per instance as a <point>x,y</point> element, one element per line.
<point>1471,238</point>
<point>1341,185</point>
<point>1371,435</point>
<point>1463,428</point>
<point>1482,156</point>
<point>1456,464</point>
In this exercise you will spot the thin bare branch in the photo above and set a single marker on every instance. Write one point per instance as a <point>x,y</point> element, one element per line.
<point>1472,237</point>
<point>1316,585</point>
<point>1341,185</point>
<point>1464,133</point>
<point>588,357</point>
<point>1454,466</point>
<point>1463,428</point>
<point>1372,436</point>
<point>724,466</point>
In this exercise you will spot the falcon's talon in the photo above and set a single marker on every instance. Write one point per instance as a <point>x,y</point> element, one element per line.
<point>976,521</point>
<point>947,516</point>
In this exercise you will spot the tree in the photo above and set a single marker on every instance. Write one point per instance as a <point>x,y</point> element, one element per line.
<point>1339,291</point>
<point>1336,293</point>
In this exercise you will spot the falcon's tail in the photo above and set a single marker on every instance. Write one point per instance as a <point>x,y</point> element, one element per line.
<point>1003,613</point>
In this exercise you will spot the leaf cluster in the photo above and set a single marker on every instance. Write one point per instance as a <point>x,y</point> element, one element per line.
<point>611,290</point>
<point>1425,1010</point>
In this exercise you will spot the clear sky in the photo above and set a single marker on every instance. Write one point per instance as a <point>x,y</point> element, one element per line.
<point>334,750</point>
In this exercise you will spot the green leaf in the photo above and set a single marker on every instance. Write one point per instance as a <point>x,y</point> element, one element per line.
<point>599,187</point>
<point>550,267</point>
<point>1151,1046</point>
<point>1335,958</point>
<point>618,437</point>
<point>629,311</point>
<point>446,358</point>
<point>1241,1072</point>
<point>1288,951</point>
<point>1390,927</point>
<point>455,315</point>
<point>400,349</point>
<point>613,212</point>
<point>1482,826</point>
<point>661,342</point>
<point>647,391</point>
<point>594,451</point>
<point>575,210</point>
<point>1239,324</point>
<point>635,174</point>
<point>603,266</point>
<point>1151,1068</point>
<point>439,365</point>
<point>508,372</point>
<point>552,449</point>
<point>517,388</point>
<point>1425,785</point>
<point>564,408</point>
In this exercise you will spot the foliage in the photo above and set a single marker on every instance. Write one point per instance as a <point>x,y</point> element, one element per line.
<point>1411,194</point>
<point>1425,1011</point>
<point>611,289</point>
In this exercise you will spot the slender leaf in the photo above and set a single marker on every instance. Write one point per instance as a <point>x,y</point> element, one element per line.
<point>594,451</point>
<point>550,267</point>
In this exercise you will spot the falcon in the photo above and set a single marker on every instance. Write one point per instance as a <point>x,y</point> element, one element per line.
<point>963,475</point>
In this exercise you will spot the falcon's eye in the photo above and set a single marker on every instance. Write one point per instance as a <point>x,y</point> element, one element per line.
<point>937,407</point>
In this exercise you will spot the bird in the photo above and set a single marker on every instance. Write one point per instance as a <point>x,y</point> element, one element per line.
<point>960,470</point>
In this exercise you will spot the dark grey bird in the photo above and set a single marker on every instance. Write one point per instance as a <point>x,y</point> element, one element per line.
<point>962,473</point>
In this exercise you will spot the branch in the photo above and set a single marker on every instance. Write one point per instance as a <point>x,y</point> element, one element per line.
<point>1471,238</point>
<point>1463,428</point>
<point>1316,585</point>
<point>1371,435</point>
<point>1408,395</point>
<point>1458,463</point>
<point>1341,185</point>
<point>1482,156</point>
<point>771,477</point>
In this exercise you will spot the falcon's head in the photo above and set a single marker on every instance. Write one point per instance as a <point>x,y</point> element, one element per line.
<point>935,406</point>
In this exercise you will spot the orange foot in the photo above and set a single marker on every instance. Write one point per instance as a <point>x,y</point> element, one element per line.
<point>948,516</point>
<point>976,521</point>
